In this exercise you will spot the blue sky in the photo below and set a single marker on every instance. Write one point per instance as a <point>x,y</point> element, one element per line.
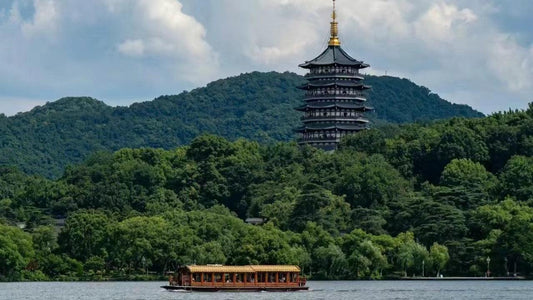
<point>478,52</point>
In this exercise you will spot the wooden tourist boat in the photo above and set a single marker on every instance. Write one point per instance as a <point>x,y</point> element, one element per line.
<point>213,278</point>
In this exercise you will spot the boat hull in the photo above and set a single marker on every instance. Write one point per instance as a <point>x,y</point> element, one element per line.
<point>234,289</point>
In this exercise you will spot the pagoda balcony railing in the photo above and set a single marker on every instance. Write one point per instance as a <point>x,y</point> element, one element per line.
<point>315,94</point>
<point>333,74</point>
<point>319,139</point>
<point>331,118</point>
<point>323,138</point>
<point>329,135</point>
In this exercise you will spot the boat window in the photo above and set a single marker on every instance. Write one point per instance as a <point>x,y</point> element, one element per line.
<point>282,277</point>
<point>250,278</point>
<point>218,277</point>
<point>271,277</point>
<point>228,277</point>
<point>196,277</point>
<point>239,277</point>
<point>208,277</point>
<point>294,276</point>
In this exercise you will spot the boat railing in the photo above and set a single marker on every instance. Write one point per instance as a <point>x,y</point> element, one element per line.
<point>245,284</point>
<point>302,281</point>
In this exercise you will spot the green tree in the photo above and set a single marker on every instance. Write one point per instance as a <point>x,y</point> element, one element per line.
<point>431,221</point>
<point>330,262</point>
<point>16,251</point>
<point>142,243</point>
<point>464,172</point>
<point>439,257</point>
<point>371,184</point>
<point>84,234</point>
<point>457,141</point>
<point>369,141</point>
<point>517,178</point>
<point>320,206</point>
<point>367,260</point>
<point>508,224</point>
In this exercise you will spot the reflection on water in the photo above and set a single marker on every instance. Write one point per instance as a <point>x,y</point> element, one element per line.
<point>318,290</point>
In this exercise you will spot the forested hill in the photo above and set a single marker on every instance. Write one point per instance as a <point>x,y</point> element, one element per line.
<point>402,101</point>
<point>399,200</point>
<point>257,106</point>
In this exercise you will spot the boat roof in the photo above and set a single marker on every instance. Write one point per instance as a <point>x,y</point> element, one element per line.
<point>241,269</point>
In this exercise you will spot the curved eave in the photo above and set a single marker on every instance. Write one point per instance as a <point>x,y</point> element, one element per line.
<point>334,84</point>
<point>331,126</point>
<point>340,119</point>
<point>310,65</point>
<point>327,98</point>
<point>332,105</point>
<point>357,77</point>
<point>331,56</point>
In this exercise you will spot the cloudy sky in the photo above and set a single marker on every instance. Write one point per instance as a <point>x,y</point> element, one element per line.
<point>478,52</point>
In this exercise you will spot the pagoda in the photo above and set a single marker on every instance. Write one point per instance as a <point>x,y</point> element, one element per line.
<point>334,96</point>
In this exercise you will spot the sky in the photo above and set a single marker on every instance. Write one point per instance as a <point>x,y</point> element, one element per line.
<point>476,52</point>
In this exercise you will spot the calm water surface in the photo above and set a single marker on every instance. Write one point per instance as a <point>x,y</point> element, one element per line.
<point>319,290</point>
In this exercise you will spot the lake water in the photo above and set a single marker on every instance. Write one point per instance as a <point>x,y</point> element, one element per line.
<point>319,290</point>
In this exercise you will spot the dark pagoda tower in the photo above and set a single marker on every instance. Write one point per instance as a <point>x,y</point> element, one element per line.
<point>334,98</point>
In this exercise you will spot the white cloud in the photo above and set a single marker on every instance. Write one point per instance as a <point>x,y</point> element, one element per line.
<point>113,49</point>
<point>14,14</point>
<point>442,22</point>
<point>511,63</point>
<point>131,47</point>
<point>159,28</point>
<point>44,19</point>
<point>380,19</point>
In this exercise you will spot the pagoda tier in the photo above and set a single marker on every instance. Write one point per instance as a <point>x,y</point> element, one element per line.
<point>334,106</point>
<point>331,85</point>
<point>334,100</point>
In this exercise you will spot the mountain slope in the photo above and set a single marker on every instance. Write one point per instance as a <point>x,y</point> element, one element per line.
<point>257,106</point>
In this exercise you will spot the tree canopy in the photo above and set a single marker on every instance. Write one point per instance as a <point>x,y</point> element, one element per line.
<point>421,202</point>
<point>255,106</point>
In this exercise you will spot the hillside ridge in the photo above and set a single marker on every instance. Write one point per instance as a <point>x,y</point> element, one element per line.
<point>258,106</point>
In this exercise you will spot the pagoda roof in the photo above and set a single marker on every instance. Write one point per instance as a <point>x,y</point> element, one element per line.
<point>331,56</point>
<point>329,126</point>
<point>357,119</point>
<point>321,98</point>
<point>334,104</point>
<point>332,83</point>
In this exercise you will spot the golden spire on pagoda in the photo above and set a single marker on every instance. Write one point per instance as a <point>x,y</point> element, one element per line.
<point>334,40</point>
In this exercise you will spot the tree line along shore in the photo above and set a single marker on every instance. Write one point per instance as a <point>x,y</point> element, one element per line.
<point>450,197</point>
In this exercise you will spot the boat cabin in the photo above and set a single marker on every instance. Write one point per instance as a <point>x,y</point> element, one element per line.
<point>222,277</point>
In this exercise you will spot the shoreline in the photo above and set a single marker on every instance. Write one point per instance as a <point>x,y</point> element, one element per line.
<point>464,278</point>
<point>457,278</point>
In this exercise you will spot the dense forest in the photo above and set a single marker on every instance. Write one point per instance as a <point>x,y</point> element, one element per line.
<point>255,106</point>
<point>450,197</point>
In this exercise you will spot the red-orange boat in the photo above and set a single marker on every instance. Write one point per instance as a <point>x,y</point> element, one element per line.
<point>213,278</point>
